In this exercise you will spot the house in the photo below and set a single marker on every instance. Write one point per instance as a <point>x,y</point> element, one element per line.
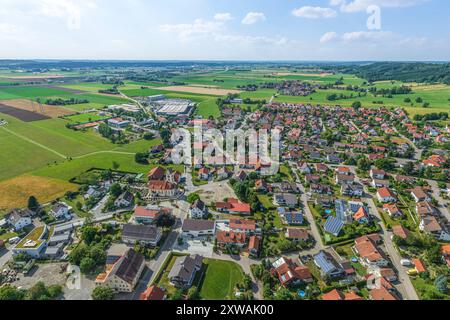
<point>148,214</point>
<point>241,176</point>
<point>369,254</point>
<point>431,225</point>
<point>419,266</point>
<point>143,234</point>
<point>156,173</point>
<point>125,200</point>
<point>204,173</point>
<point>322,168</point>
<point>297,235</point>
<point>198,210</point>
<point>184,270</point>
<point>162,189</point>
<point>392,210</point>
<point>327,265</point>
<point>312,178</point>
<point>352,190</point>
<point>124,274</point>
<point>59,210</point>
<point>304,168</point>
<point>400,231</point>
<point>198,228</point>
<point>33,244</point>
<point>233,206</point>
<point>291,217</point>
<point>19,219</point>
<point>337,295</point>
<point>321,189</point>
<point>285,200</point>
<point>361,216</point>
<point>381,293</point>
<point>386,195</point>
<point>153,293</point>
<point>224,173</point>
<point>333,225</point>
<point>262,186</point>
<point>226,238</point>
<point>343,171</point>
<point>254,246</point>
<point>424,209</point>
<point>420,195</point>
<point>343,179</point>
<point>289,272</point>
<point>376,183</point>
<point>377,174</point>
<point>241,225</point>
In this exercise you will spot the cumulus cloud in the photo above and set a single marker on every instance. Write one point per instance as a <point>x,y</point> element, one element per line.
<point>329,36</point>
<point>366,35</point>
<point>199,27</point>
<point>223,16</point>
<point>314,12</point>
<point>362,5</point>
<point>254,17</point>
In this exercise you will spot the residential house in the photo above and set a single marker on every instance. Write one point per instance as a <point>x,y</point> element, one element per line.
<point>148,214</point>
<point>162,189</point>
<point>125,200</point>
<point>241,225</point>
<point>327,265</point>
<point>198,210</point>
<point>153,293</point>
<point>337,295</point>
<point>143,234</point>
<point>297,234</point>
<point>400,231</point>
<point>184,270</point>
<point>392,210</point>
<point>60,210</point>
<point>198,228</point>
<point>419,195</point>
<point>19,219</point>
<point>124,274</point>
<point>231,238</point>
<point>285,200</point>
<point>254,246</point>
<point>233,206</point>
<point>369,253</point>
<point>386,195</point>
<point>289,272</point>
<point>377,174</point>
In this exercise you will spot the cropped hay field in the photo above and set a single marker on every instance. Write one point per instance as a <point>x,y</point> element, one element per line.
<point>47,110</point>
<point>14,193</point>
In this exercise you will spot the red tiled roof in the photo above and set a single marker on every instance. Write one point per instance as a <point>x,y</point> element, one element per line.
<point>153,293</point>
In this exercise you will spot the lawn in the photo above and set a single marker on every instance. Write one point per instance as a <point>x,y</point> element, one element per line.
<point>220,280</point>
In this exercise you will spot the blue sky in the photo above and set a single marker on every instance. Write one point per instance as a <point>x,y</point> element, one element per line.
<point>226,29</point>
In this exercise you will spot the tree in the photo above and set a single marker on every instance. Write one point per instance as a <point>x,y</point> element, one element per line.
<point>356,105</point>
<point>441,284</point>
<point>9,292</point>
<point>102,293</point>
<point>177,295</point>
<point>165,221</point>
<point>87,265</point>
<point>77,254</point>
<point>141,157</point>
<point>364,164</point>
<point>193,197</point>
<point>33,204</point>
<point>193,293</point>
<point>408,168</point>
<point>149,136</point>
<point>115,190</point>
<point>115,165</point>
<point>88,234</point>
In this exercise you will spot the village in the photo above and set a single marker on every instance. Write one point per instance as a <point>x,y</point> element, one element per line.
<point>359,210</point>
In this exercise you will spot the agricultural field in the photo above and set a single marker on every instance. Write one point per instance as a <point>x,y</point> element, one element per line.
<point>15,192</point>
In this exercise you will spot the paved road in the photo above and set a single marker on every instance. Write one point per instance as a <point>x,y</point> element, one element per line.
<point>5,255</point>
<point>441,201</point>
<point>405,286</point>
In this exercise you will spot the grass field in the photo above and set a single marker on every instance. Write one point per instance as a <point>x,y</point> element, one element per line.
<point>220,280</point>
<point>14,193</point>
<point>85,117</point>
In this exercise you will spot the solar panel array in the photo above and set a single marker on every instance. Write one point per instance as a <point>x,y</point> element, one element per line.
<point>333,225</point>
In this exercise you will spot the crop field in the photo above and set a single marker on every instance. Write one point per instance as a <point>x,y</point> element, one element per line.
<point>43,109</point>
<point>200,90</point>
<point>15,192</point>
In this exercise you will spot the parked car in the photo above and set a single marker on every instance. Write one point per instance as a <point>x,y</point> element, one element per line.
<point>406,262</point>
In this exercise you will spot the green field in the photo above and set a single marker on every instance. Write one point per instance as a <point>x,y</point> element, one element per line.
<point>220,280</point>
<point>85,117</point>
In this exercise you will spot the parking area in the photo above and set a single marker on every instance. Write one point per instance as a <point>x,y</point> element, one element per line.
<point>189,246</point>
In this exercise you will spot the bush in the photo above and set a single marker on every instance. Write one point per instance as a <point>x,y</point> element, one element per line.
<point>102,293</point>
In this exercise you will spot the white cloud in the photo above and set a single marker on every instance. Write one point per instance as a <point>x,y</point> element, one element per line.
<point>254,17</point>
<point>223,16</point>
<point>69,10</point>
<point>314,12</point>
<point>366,36</point>
<point>362,5</point>
<point>198,27</point>
<point>329,36</point>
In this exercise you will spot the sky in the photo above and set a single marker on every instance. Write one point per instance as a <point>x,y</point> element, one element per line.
<point>313,30</point>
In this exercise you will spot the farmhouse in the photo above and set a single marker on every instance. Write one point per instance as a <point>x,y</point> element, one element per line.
<point>144,234</point>
<point>183,271</point>
<point>198,228</point>
<point>233,206</point>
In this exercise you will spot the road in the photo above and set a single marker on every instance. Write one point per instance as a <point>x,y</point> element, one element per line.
<point>441,201</point>
<point>5,255</point>
<point>405,286</point>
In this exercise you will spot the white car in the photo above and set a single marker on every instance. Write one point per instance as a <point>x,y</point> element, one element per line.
<point>406,262</point>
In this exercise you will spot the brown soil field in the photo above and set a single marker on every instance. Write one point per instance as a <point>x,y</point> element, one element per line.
<point>48,111</point>
<point>283,74</point>
<point>22,115</point>
<point>14,193</point>
<point>200,90</point>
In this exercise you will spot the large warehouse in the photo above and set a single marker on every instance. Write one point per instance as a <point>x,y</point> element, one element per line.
<point>174,107</point>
